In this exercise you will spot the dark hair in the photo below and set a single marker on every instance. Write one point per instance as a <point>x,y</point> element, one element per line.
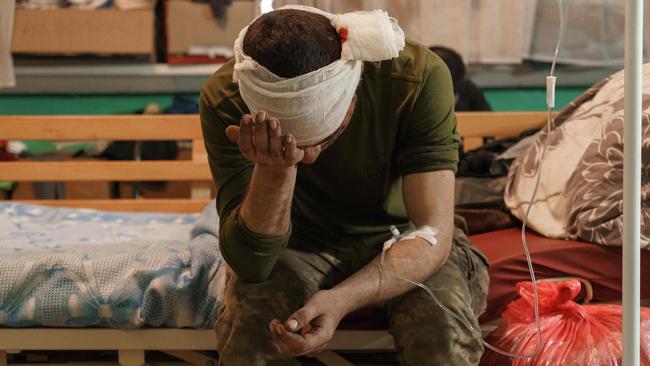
<point>454,62</point>
<point>292,42</point>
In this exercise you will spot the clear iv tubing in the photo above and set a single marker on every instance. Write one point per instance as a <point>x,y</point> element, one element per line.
<point>461,319</point>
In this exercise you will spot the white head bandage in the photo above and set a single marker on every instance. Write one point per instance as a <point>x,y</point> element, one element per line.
<point>312,106</point>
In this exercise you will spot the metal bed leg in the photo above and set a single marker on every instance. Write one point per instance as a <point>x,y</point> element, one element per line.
<point>130,357</point>
<point>330,358</point>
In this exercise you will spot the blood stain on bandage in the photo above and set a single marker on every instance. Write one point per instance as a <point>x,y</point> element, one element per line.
<point>343,35</point>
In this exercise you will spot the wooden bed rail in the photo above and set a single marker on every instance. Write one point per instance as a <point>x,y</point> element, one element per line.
<point>483,124</point>
<point>131,205</point>
<point>113,127</point>
<point>187,127</point>
<point>472,126</point>
<point>98,170</point>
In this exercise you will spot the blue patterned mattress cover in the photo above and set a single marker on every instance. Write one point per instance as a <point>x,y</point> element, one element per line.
<point>63,267</point>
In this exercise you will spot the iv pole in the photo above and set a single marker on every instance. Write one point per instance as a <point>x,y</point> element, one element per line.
<point>632,182</point>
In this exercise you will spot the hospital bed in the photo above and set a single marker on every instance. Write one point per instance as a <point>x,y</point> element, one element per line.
<point>184,344</point>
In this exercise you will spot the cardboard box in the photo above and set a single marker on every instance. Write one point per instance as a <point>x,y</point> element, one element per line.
<point>192,24</point>
<point>73,31</point>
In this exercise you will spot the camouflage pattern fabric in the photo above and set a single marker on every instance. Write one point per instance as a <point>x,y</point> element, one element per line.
<point>424,334</point>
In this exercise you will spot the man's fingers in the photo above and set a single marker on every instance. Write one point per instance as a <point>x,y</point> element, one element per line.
<point>300,319</point>
<point>289,344</point>
<point>260,140</point>
<point>232,132</point>
<point>297,345</point>
<point>293,344</point>
<point>292,154</point>
<point>246,137</point>
<point>282,348</point>
<point>261,133</point>
<point>311,154</point>
<point>312,341</point>
<point>275,139</point>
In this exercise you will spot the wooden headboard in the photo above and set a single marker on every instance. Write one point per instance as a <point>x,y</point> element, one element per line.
<point>472,126</point>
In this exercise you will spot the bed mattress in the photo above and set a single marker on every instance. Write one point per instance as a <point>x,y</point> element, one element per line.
<point>552,258</point>
<point>63,267</point>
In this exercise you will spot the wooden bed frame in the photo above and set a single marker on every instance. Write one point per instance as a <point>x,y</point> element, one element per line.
<point>180,343</point>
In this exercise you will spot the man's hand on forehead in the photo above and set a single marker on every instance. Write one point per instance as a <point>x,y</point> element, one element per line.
<point>261,141</point>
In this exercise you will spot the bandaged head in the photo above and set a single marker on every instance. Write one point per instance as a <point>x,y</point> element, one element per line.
<point>312,106</point>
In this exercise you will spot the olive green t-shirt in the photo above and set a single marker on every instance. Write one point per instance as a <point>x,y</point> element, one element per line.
<point>403,123</point>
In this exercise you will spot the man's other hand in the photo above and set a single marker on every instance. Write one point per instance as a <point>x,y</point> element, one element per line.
<point>308,331</point>
<point>261,141</point>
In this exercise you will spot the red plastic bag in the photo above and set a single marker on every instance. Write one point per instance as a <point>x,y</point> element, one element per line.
<point>572,334</point>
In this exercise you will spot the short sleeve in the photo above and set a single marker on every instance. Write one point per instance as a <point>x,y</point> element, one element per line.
<point>431,142</point>
<point>231,172</point>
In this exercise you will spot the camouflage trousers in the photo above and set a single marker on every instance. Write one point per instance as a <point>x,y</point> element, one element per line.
<point>424,334</point>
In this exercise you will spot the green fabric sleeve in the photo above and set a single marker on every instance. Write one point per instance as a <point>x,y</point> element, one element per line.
<point>252,256</point>
<point>431,142</point>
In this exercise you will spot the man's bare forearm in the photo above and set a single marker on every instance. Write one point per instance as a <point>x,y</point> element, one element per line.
<point>413,259</point>
<point>267,206</point>
<point>429,201</point>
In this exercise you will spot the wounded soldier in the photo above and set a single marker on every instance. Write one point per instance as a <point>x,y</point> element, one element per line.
<point>322,133</point>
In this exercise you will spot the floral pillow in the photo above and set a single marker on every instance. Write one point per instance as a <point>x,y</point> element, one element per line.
<point>580,195</point>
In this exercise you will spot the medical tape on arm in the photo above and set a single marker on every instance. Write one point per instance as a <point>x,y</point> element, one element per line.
<point>428,233</point>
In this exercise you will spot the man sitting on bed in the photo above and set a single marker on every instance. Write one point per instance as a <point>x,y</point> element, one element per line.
<point>315,154</point>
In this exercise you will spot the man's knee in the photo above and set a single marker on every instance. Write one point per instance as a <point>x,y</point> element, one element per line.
<point>242,327</point>
<point>290,284</point>
<point>474,265</point>
<point>427,335</point>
